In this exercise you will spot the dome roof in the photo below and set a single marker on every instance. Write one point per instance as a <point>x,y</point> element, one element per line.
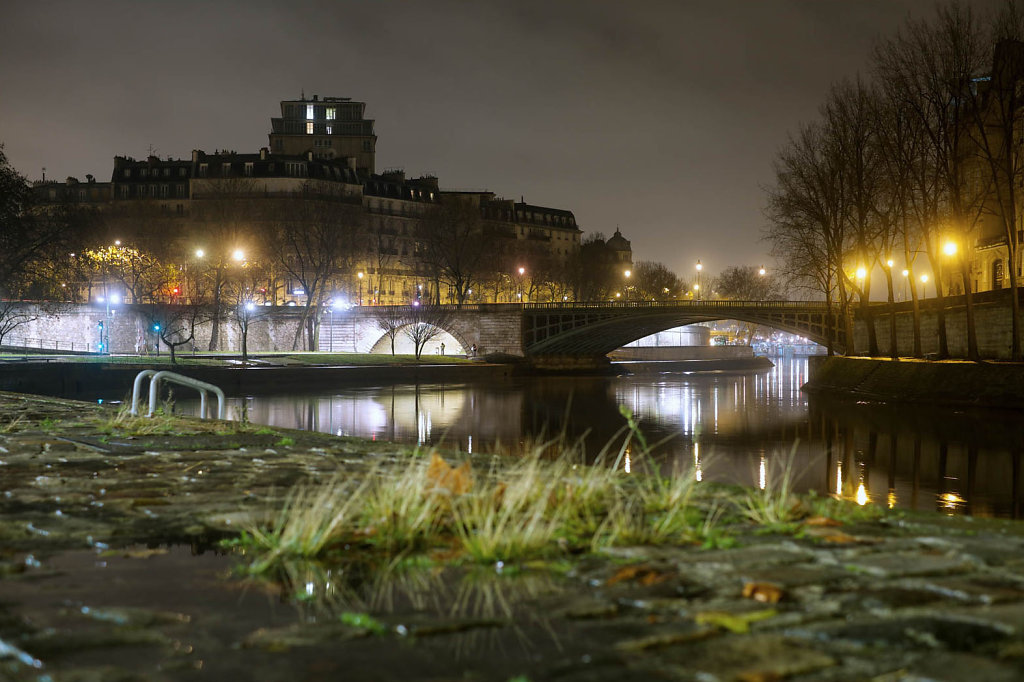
<point>618,243</point>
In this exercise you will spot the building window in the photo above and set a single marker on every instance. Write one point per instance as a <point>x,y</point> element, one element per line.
<point>180,209</point>
<point>330,130</point>
<point>181,191</point>
<point>248,168</point>
<point>366,145</point>
<point>127,172</point>
<point>144,172</point>
<point>225,169</point>
<point>167,172</point>
<point>124,191</point>
<point>309,128</point>
<point>332,113</point>
<point>202,170</point>
<point>309,112</point>
<point>164,191</point>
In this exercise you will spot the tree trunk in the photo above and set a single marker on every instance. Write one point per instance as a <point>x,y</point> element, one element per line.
<point>894,351</point>
<point>972,332</point>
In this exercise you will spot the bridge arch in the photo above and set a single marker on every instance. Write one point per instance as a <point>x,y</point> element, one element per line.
<point>584,330</point>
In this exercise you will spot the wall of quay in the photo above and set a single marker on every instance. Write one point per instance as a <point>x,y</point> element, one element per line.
<point>951,383</point>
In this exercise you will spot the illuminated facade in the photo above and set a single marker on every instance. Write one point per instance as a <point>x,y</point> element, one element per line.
<point>323,149</point>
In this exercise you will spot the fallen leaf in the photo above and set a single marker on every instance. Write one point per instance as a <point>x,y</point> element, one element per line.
<point>453,480</point>
<point>766,593</point>
<point>737,623</point>
<point>641,573</point>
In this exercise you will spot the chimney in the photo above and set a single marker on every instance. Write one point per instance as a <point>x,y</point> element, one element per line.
<point>263,153</point>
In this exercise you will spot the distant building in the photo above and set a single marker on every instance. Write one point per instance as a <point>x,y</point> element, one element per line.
<point>328,128</point>
<point>324,149</point>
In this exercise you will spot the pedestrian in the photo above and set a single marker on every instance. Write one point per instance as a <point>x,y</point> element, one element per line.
<point>442,348</point>
<point>472,350</point>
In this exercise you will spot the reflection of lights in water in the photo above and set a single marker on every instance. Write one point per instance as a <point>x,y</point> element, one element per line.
<point>862,494</point>
<point>762,474</point>
<point>470,448</point>
<point>627,464</point>
<point>698,473</point>
<point>839,479</point>
<point>890,499</point>
<point>423,428</point>
<point>950,500</point>
<point>309,589</point>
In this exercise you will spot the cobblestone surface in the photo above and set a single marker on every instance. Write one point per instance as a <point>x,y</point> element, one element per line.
<point>106,574</point>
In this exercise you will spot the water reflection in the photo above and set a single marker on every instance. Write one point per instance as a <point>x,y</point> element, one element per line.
<point>741,428</point>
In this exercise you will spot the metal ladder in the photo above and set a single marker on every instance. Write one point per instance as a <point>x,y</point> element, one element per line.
<point>158,376</point>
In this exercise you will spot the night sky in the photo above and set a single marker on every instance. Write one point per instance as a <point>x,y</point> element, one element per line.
<point>658,117</point>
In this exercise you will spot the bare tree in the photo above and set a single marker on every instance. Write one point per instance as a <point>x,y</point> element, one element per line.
<point>312,239</point>
<point>807,224</point>
<point>933,64</point>
<point>655,282</point>
<point>454,249</point>
<point>423,323</point>
<point>390,319</point>
<point>174,324</point>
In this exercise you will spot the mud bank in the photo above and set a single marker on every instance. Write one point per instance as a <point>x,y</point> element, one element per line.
<point>953,383</point>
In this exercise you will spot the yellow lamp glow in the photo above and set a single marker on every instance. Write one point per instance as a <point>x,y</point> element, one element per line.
<point>949,248</point>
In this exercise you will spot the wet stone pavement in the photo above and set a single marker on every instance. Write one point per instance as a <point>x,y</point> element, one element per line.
<point>110,570</point>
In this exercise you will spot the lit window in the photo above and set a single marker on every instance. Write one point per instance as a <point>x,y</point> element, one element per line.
<point>309,112</point>
<point>330,130</point>
<point>332,113</point>
<point>309,128</point>
<point>248,168</point>
<point>127,172</point>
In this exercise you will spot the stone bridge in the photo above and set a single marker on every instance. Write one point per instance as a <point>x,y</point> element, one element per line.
<point>582,334</point>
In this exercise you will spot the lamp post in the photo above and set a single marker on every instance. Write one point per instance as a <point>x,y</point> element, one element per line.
<point>924,286</point>
<point>951,250</point>
<point>359,276</point>
<point>628,274</point>
<point>696,287</point>
<point>519,285</point>
<point>906,278</point>
<point>762,272</point>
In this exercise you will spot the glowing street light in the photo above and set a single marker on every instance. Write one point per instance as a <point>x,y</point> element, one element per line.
<point>762,271</point>
<point>862,273</point>
<point>924,286</point>
<point>238,255</point>
<point>200,253</point>
<point>696,287</point>
<point>949,248</point>
<point>359,276</point>
<point>906,278</point>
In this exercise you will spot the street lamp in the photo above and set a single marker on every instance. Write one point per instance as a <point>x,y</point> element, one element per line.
<point>924,286</point>
<point>628,274</point>
<point>519,294</point>
<point>696,287</point>
<point>906,278</point>
<point>238,255</point>
<point>359,275</point>
<point>762,271</point>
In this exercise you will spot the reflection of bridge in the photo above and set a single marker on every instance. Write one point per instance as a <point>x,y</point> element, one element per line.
<point>586,332</point>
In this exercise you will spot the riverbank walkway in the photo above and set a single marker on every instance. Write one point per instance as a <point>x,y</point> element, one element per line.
<point>110,568</point>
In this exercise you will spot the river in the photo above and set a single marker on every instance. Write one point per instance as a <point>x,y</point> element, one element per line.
<point>748,428</point>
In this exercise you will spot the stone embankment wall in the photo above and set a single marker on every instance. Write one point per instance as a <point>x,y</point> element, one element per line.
<point>992,322</point>
<point>949,382</point>
<point>68,327</point>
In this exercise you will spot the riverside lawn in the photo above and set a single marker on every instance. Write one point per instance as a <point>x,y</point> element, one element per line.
<point>646,572</point>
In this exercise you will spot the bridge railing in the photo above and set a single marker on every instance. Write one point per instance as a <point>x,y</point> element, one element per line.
<point>652,305</point>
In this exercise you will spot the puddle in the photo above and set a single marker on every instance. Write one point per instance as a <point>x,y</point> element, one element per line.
<point>173,613</point>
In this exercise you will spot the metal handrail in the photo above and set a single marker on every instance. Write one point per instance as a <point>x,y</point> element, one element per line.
<point>179,379</point>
